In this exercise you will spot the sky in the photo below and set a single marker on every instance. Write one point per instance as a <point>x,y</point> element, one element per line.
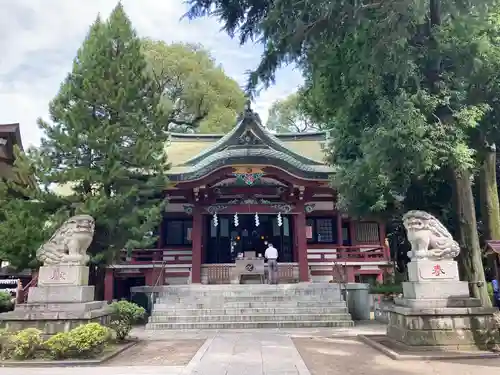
<point>39,39</point>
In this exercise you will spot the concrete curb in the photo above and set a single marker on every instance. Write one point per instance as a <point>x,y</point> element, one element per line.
<point>429,356</point>
<point>198,356</point>
<point>69,363</point>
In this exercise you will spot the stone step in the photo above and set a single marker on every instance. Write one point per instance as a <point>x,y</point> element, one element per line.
<point>163,310</point>
<point>237,290</point>
<point>296,293</point>
<point>249,325</point>
<point>249,318</point>
<point>224,300</point>
<point>254,304</point>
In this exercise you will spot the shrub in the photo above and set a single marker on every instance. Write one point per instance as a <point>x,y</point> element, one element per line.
<point>142,300</point>
<point>86,341</point>
<point>5,302</point>
<point>4,342</point>
<point>24,344</point>
<point>59,346</point>
<point>386,289</point>
<point>124,315</point>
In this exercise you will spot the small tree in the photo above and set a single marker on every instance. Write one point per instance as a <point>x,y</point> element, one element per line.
<point>124,315</point>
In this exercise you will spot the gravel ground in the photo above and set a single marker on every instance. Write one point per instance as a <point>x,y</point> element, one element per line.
<point>158,353</point>
<point>348,356</point>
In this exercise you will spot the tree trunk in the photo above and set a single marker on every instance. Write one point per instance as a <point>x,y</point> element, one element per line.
<point>469,239</point>
<point>490,210</point>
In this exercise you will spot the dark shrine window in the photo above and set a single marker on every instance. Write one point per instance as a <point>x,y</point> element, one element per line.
<point>323,230</point>
<point>178,232</point>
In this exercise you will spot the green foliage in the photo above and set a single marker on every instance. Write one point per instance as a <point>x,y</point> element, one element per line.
<point>197,93</point>
<point>386,289</point>
<point>143,300</point>
<point>288,115</point>
<point>58,346</point>
<point>124,315</point>
<point>24,344</point>
<point>5,302</point>
<point>23,215</point>
<point>85,341</point>
<point>4,343</point>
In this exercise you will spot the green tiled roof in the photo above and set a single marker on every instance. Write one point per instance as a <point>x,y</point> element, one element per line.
<point>194,155</point>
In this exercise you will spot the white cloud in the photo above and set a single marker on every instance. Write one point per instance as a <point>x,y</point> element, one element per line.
<point>39,38</point>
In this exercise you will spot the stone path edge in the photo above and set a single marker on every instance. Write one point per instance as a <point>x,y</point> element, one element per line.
<point>71,363</point>
<point>198,356</point>
<point>423,357</point>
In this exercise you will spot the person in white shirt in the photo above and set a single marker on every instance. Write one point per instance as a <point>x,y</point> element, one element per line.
<point>271,255</point>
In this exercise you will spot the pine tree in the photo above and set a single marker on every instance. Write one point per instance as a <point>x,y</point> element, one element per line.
<point>106,139</point>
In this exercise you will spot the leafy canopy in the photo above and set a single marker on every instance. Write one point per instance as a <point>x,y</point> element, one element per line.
<point>288,115</point>
<point>197,93</point>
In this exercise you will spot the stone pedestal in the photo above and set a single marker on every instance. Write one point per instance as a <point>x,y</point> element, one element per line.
<point>436,310</point>
<point>61,301</point>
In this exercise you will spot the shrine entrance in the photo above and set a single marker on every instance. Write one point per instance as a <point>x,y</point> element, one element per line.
<point>230,235</point>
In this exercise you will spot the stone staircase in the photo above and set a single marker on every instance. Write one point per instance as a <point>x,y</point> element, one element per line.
<point>249,306</point>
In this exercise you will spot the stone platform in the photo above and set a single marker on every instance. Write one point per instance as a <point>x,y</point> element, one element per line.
<point>436,310</point>
<point>444,326</point>
<point>61,302</point>
<point>249,306</point>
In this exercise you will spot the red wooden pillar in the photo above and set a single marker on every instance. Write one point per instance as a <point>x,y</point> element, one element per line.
<point>301,242</point>
<point>109,284</point>
<point>340,240</point>
<point>380,278</point>
<point>161,238</point>
<point>149,276</point>
<point>196,245</point>
<point>350,274</point>
<point>382,235</point>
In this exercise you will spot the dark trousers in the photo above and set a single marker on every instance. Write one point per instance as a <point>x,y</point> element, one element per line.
<point>272,270</point>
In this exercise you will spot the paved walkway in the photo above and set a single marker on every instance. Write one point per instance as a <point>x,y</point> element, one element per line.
<point>273,352</point>
<point>247,354</point>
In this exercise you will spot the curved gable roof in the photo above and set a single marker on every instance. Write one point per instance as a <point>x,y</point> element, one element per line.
<point>248,143</point>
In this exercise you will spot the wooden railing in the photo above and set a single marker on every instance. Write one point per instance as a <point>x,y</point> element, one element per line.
<point>149,256</point>
<point>221,273</point>
<point>360,253</point>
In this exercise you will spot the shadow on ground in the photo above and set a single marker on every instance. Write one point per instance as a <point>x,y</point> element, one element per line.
<point>347,355</point>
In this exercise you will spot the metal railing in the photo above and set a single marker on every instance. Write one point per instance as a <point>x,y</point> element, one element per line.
<point>153,289</point>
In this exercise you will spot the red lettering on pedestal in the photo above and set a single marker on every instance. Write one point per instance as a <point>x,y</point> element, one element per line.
<point>437,270</point>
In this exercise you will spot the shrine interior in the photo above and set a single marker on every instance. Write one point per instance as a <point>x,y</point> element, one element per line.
<point>226,240</point>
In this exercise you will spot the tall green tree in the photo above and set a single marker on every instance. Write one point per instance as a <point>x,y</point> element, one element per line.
<point>197,93</point>
<point>288,115</point>
<point>105,140</point>
<point>379,76</point>
<point>23,221</point>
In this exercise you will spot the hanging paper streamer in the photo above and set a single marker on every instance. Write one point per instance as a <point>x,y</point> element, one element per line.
<point>257,222</point>
<point>236,221</point>
<point>279,219</point>
<point>216,220</point>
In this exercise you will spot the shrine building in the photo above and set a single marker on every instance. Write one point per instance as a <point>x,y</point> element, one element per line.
<point>232,194</point>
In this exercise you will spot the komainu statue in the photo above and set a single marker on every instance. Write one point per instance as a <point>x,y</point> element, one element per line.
<point>69,244</point>
<point>429,238</point>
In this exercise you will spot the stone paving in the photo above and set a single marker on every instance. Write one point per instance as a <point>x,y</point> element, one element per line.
<point>279,352</point>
